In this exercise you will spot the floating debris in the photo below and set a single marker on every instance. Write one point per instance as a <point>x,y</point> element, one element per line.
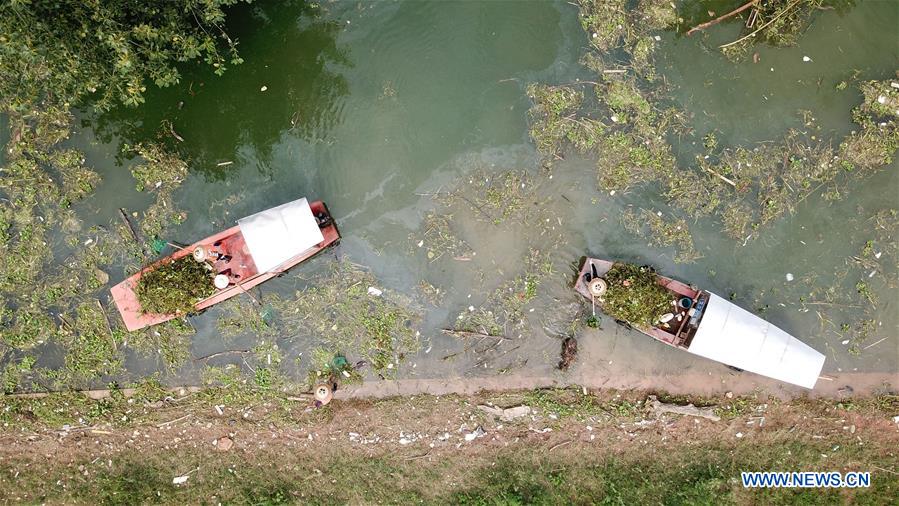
<point>439,239</point>
<point>569,353</point>
<point>338,309</point>
<point>662,233</point>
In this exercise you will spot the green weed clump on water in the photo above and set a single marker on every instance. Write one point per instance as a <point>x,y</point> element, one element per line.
<point>626,130</point>
<point>662,233</point>
<point>160,168</point>
<point>877,140</point>
<point>174,287</point>
<point>161,171</point>
<point>15,372</point>
<point>747,188</point>
<point>634,296</point>
<point>92,350</point>
<point>167,342</point>
<point>341,311</point>
<point>554,118</point>
<point>39,184</point>
<point>504,310</point>
<point>613,25</point>
<point>26,327</point>
<point>778,23</point>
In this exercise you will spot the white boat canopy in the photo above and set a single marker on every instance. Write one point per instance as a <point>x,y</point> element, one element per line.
<point>276,235</point>
<point>734,336</point>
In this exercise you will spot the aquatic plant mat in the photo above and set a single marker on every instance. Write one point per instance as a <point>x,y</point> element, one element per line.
<point>174,286</point>
<point>347,311</point>
<point>235,447</point>
<point>55,272</point>
<point>477,211</point>
<point>624,120</point>
<point>491,240</point>
<point>622,117</point>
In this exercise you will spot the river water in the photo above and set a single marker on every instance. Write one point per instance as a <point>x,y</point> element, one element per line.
<point>367,106</point>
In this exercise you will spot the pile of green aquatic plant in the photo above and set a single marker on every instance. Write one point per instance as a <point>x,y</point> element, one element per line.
<point>174,287</point>
<point>634,296</point>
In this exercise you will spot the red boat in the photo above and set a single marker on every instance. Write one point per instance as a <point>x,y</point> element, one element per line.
<point>257,249</point>
<point>677,333</point>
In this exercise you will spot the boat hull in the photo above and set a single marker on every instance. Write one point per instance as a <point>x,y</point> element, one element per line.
<point>728,334</point>
<point>125,297</point>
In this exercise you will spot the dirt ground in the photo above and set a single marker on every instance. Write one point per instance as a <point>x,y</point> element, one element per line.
<point>326,454</point>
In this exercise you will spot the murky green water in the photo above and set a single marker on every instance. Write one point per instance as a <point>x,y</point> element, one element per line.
<point>369,105</point>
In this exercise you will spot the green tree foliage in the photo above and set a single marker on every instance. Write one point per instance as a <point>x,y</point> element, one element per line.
<point>65,52</point>
<point>56,55</point>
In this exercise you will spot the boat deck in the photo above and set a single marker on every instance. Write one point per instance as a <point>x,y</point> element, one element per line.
<point>678,331</point>
<point>235,259</point>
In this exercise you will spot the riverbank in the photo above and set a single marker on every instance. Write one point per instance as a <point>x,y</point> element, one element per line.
<point>572,446</point>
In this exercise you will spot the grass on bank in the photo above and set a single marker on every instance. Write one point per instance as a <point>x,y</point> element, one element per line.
<point>706,473</point>
<point>535,470</point>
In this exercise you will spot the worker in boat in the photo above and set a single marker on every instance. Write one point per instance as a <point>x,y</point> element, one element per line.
<point>202,254</point>
<point>218,253</point>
